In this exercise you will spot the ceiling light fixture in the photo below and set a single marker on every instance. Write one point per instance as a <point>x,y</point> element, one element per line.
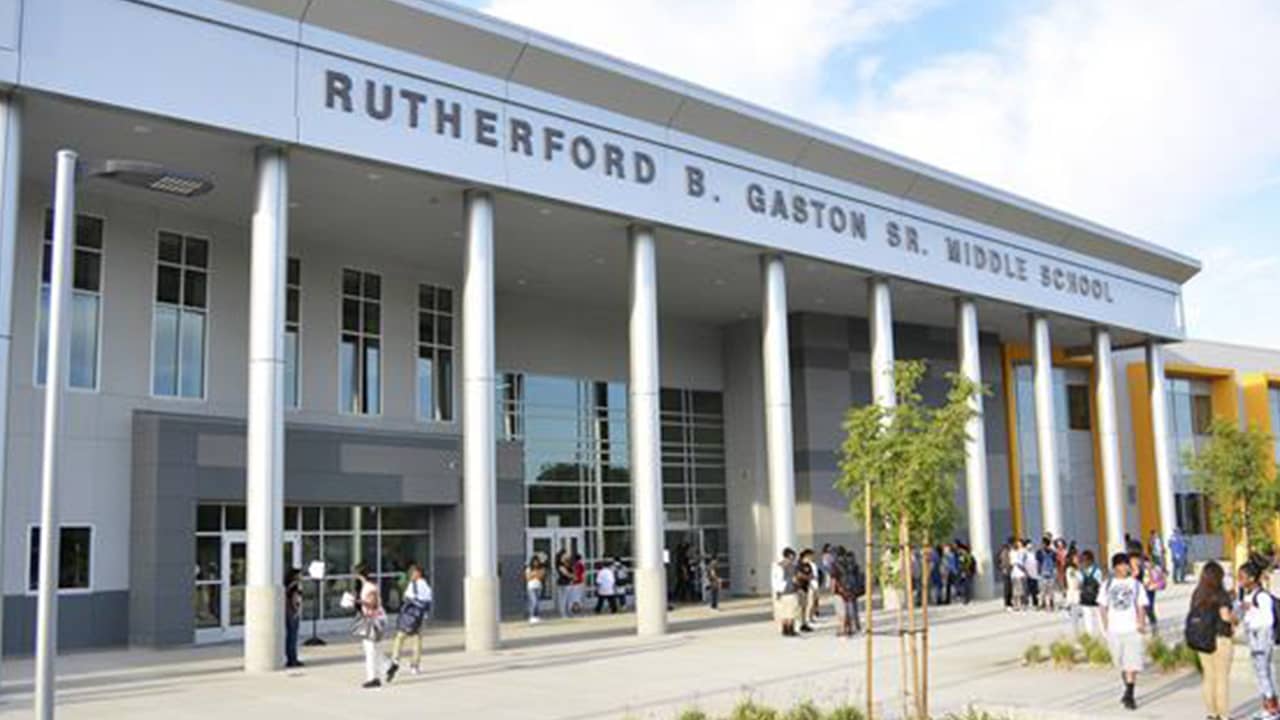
<point>142,129</point>
<point>544,211</point>
<point>375,177</point>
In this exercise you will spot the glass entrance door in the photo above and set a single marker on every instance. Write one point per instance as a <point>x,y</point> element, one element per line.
<point>235,577</point>
<point>547,544</point>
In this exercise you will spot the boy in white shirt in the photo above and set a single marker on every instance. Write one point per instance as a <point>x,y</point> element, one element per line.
<point>1122,603</point>
<point>1257,608</point>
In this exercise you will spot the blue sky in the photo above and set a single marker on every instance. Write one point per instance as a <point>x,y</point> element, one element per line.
<point>1161,120</point>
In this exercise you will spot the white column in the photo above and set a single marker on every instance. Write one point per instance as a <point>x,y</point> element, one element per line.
<point>1108,438</point>
<point>777,404</point>
<point>1046,432</point>
<point>646,454</point>
<point>478,450</point>
<point>975,451</point>
<point>1160,434</point>
<point>880,324</point>
<point>264,490</point>
<point>64,203</point>
<point>10,180</point>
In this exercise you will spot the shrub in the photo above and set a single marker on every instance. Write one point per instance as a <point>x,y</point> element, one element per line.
<point>845,712</point>
<point>1033,655</point>
<point>693,714</point>
<point>1095,651</point>
<point>1063,653</point>
<point>974,714</point>
<point>804,711</point>
<point>749,710</point>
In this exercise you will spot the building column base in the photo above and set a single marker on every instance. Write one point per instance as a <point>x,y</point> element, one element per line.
<point>263,628</point>
<point>481,613</point>
<point>984,585</point>
<point>651,601</point>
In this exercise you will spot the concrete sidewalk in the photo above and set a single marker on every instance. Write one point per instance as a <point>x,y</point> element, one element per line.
<point>596,668</point>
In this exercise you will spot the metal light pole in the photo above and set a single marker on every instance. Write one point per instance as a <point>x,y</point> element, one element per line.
<point>136,174</point>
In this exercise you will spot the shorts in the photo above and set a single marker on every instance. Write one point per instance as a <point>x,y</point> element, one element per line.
<point>786,607</point>
<point>1127,651</point>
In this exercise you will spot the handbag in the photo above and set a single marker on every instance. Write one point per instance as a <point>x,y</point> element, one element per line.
<point>369,628</point>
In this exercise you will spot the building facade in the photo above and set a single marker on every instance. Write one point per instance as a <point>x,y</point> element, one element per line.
<point>463,293</point>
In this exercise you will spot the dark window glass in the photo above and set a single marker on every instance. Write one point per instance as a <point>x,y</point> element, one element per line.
<point>75,548</point>
<point>372,318</point>
<point>197,252</point>
<point>194,288</point>
<point>426,297</point>
<point>426,327</point>
<point>89,232</point>
<point>291,300</point>
<point>87,271</point>
<point>444,331</point>
<point>1201,414</point>
<point>405,517</point>
<point>707,403</point>
<point>209,518</point>
<point>235,517</point>
<point>337,518</point>
<point>444,300</point>
<point>168,284</point>
<point>444,384</point>
<point>350,282</point>
<point>294,271</point>
<point>672,400</point>
<point>1078,416</point>
<point>310,521</point>
<point>350,315</point>
<point>291,518</point>
<point>372,286</point>
<point>46,264</point>
<point>170,247</point>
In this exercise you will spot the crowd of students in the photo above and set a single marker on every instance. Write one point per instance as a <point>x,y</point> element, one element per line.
<point>798,583</point>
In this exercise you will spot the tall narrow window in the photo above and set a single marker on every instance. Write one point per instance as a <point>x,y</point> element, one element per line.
<point>86,302</point>
<point>181,316</point>
<point>292,332</point>
<point>75,552</point>
<point>435,353</point>
<point>360,353</point>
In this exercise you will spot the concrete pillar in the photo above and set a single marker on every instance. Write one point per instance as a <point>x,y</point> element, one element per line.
<point>1046,430</point>
<point>1108,438</point>
<point>10,181</point>
<point>1160,433</point>
<point>779,451</point>
<point>975,451</point>
<point>479,462</point>
<point>646,451</point>
<point>264,490</point>
<point>880,322</point>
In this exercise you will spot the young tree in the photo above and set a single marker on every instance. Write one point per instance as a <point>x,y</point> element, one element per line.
<point>1236,470</point>
<point>904,460</point>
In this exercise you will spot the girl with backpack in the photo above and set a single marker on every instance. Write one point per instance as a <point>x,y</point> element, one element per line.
<point>1209,626</point>
<point>1257,607</point>
<point>1090,586</point>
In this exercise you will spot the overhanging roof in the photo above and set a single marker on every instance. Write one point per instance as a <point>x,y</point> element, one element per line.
<point>464,38</point>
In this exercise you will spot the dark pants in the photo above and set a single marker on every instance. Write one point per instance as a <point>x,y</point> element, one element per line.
<point>713,596</point>
<point>611,599</point>
<point>291,639</point>
<point>1008,589</point>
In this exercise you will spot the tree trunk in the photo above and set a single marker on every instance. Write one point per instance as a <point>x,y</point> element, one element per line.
<point>924,635</point>
<point>911,612</point>
<point>904,577</point>
<point>867,585</point>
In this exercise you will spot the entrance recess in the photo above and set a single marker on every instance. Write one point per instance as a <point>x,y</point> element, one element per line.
<point>234,577</point>
<point>547,543</point>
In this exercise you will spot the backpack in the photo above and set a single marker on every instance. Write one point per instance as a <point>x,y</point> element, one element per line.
<point>1156,581</point>
<point>1202,630</point>
<point>857,582</point>
<point>1089,589</point>
<point>1275,615</point>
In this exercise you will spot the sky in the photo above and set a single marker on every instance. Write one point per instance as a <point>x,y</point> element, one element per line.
<point>1161,120</point>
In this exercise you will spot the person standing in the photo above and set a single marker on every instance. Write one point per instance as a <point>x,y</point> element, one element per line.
<point>805,581</point>
<point>292,616</point>
<point>578,591</point>
<point>621,581</point>
<point>1031,562</point>
<point>1124,621</point>
<point>1256,607</point>
<point>535,575</point>
<point>371,625</point>
<point>606,588</point>
<point>713,583</point>
<point>827,562</point>
<point>1073,579</point>
<point>847,584</point>
<point>1178,552</point>
<point>782,582</point>
<point>1209,625</point>
<point>1018,576</point>
<point>1090,589</point>
<point>1156,549</point>
<point>564,582</point>
<point>1047,562</point>
<point>1005,563</point>
<point>415,606</point>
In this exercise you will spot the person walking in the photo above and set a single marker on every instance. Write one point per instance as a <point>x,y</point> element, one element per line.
<point>1018,576</point>
<point>292,616</point>
<point>415,606</point>
<point>1073,580</point>
<point>1179,552</point>
<point>712,576</point>
<point>535,576</point>
<point>1091,580</point>
<point>370,626</point>
<point>1125,622</point>
<point>1209,626</point>
<point>1156,550</point>
<point>621,581</point>
<point>606,588</point>
<point>847,584</point>
<point>782,582</point>
<point>564,582</point>
<point>805,581</point>
<point>1256,608</point>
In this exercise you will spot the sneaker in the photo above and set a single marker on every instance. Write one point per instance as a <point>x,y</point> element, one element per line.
<point>806,628</point>
<point>374,683</point>
<point>1129,703</point>
<point>415,670</point>
<point>391,672</point>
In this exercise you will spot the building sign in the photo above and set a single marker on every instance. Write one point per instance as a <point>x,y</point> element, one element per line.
<point>658,177</point>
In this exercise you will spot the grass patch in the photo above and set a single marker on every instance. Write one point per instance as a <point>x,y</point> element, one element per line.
<point>804,711</point>
<point>1095,650</point>
<point>1034,655</point>
<point>750,710</point>
<point>845,712</point>
<point>1063,652</point>
<point>693,714</point>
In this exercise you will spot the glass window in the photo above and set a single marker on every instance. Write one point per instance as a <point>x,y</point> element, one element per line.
<point>1201,414</point>
<point>179,332</point>
<point>292,333</point>
<point>360,347</point>
<point>75,551</point>
<point>435,353</point>
<point>86,302</point>
<point>1078,407</point>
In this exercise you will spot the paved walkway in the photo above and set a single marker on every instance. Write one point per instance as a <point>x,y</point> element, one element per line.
<point>596,668</point>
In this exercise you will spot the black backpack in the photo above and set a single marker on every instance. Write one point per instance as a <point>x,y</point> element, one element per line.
<point>1202,630</point>
<point>1089,589</point>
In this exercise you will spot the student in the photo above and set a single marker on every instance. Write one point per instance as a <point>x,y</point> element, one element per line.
<point>606,588</point>
<point>1090,589</point>
<point>1211,610</point>
<point>1122,602</point>
<point>414,607</point>
<point>621,581</point>
<point>1004,561</point>
<point>1074,579</point>
<point>1178,551</point>
<point>1256,608</point>
<point>370,626</point>
<point>292,616</point>
<point>535,574</point>
<point>1031,571</point>
<point>827,563</point>
<point>578,591</point>
<point>1047,561</point>
<point>564,582</point>
<point>712,574</point>
<point>847,584</point>
<point>1018,576</point>
<point>782,582</point>
<point>1156,546</point>
<point>805,582</point>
